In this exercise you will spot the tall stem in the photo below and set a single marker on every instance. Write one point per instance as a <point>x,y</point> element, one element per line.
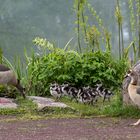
<point>78,25</point>
<point>119,28</point>
<point>83,19</point>
<point>122,41</point>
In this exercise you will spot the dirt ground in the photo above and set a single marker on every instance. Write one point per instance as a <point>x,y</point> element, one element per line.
<point>69,129</point>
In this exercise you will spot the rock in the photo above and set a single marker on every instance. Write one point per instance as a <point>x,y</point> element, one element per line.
<point>7,103</point>
<point>126,81</point>
<point>44,102</point>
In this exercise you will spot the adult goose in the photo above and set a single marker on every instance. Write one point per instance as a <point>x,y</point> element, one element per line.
<point>8,77</point>
<point>134,90</point>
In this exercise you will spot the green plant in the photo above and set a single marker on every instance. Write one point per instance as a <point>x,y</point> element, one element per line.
<point>1,55</point>
<point>79,6</point>
<point>127,50</point>
<point>79,69</point>
<point>8,63</point>
<point>93,37</point>
<point>18,69</point>
<point>134,8</point>
<point>18,66</point>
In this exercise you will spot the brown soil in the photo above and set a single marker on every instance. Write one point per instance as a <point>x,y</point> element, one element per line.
<point>69,129</point>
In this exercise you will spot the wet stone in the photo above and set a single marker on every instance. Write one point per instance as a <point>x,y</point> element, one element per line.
<point>7,103</point>
<point>44,102</point>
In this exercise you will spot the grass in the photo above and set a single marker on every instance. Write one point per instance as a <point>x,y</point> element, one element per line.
<point>28,110</point>
<point>25,108</point>
<point>107,109</point>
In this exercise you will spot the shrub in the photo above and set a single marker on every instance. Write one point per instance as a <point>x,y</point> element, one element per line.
<point>87,68</point>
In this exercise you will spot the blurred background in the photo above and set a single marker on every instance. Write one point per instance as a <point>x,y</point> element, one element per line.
<point>22,21</point>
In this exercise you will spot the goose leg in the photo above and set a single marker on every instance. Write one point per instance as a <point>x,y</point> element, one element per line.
<point>136,123</point>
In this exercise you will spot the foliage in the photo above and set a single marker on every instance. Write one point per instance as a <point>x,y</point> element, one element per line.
<point>91,33</point>
<point>93,36</point>
<point>83,10</point>
<point>134,8</point>
<point>17,68</point>
<point>110,109</point>
<point>132,17</point>
<point>127,50</point>
<point>87,68</point>
<point>97,18</point>
<point>1,54</point>
<point>8,91</point>
<point>79,69</point>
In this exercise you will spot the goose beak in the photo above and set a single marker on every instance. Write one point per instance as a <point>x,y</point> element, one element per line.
<point>126,76</point>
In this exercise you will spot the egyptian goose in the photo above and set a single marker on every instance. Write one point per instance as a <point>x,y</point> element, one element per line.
<point>134,90</point>
<point>55,90</point>
<point>103,92</point>
<point>8,77</point>
<point>87,95</point>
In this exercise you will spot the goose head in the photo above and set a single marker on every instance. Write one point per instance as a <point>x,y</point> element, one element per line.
<point>134,77</point>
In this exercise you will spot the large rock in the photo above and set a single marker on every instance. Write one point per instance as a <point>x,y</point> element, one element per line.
<point>7,103</point>
<point>46,102</point>
<point>126,81</point>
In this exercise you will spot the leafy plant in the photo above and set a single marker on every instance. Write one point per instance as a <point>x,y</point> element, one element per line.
<point>62,65</point>
<point>93,37</point>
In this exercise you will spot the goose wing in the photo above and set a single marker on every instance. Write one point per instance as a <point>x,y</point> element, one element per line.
<point>138,90</point>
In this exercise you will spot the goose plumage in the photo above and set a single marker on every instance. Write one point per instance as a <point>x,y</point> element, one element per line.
<point>134,90</point>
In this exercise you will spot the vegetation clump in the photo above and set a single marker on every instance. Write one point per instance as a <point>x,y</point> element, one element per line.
<point>88,68</point>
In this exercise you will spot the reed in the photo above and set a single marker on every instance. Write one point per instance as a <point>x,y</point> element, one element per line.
<point>119,19</point>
